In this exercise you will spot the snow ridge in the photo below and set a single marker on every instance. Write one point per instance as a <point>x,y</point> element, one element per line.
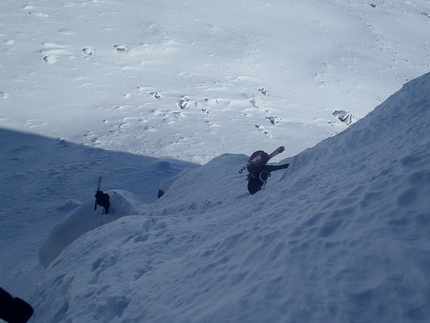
<point>340,236</point>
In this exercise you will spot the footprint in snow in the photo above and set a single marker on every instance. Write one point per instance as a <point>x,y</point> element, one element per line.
<point>52,51</point>
<point>140,272</point>
<point>273,120</point>
<point>38,14</point>
<point>157,95</point>
<point>90,51</point>
<point>253,103</point>
<point>263,91</point>
<point>183,103</point>
<point>50,59</point>
<point>263,130</point>
<point>344,116</point>
<point>120,47</point>
<point>186,103</point>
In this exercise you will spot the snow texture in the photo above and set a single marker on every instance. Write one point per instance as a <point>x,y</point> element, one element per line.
<point>341,236</point>
<point>177,95</point>
<point>85,218</point>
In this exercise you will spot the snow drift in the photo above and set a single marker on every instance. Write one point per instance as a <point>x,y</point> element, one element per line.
<point>341,236</point>
<point>83,219</point>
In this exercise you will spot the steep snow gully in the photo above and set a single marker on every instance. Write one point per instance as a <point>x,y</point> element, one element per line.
<point>343,235</point>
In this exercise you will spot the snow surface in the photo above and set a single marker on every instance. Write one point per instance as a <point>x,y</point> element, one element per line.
<point>141,92</point>
<point>341,236</point>
<point>85,218</point>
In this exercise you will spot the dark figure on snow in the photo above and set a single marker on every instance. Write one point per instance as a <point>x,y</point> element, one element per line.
<point>259,171</point>
<point>103,200</point>
<point>14,310</point>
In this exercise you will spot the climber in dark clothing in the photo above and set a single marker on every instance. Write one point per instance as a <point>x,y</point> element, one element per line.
<point>258,176</point>
<point>258,169</point>
<point>102,199</point>
<point>14,310</point>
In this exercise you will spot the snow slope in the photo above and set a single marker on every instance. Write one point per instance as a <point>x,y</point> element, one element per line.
<point>85,218</point>
<point>44,179</point>
<point>115,74</point>
<point>341,236</point>
<point>140,91</point>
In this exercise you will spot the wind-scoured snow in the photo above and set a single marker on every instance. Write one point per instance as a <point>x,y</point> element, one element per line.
<point>340,236</point>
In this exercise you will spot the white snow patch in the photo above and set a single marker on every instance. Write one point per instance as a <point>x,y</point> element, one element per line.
<point>343,233</point>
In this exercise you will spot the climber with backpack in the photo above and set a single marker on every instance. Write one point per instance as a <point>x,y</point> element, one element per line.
<point>102,199</point>
<point>258,169</point>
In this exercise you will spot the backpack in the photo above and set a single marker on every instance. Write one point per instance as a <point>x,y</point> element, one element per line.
<point>257,159</point>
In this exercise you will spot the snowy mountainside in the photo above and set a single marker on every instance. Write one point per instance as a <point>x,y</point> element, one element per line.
<point>84,218</point>
<point>181,79</point>
<point>340,236</point>
<point>208,182</point>
<point>44,179</point>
